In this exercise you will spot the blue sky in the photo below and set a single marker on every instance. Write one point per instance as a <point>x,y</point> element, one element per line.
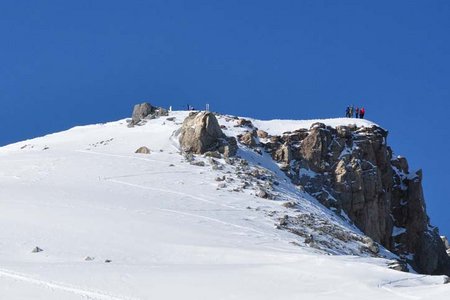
<point>66,63</point>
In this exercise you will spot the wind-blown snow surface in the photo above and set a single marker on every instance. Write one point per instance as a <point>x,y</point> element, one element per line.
<point>168,231</point>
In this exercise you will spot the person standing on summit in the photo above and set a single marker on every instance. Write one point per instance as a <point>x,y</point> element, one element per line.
<point>362,112</point>
<point>351,111</point>
<point>347,112</point>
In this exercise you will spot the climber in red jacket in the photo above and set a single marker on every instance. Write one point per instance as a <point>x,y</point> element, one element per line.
<point>362,111</point>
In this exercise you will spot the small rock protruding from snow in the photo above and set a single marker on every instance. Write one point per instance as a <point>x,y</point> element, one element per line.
<point>214,154</point>
<point>198,163</point>
<point>398,265</point>
<point>247,139</point>
<point>89,258</point>
<point>309,240</point>
<point>289,204</point>
<point>371,245</point>
<point>220,178</point>
<point>284,220</point>
<point>262,193</point>
<point>37,250</point>
<point>244,123</point>
<point>222,185</point>
<point>143,150</point>
<point>262,134</point>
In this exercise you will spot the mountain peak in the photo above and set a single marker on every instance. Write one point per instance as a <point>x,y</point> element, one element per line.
<point>288,195</point>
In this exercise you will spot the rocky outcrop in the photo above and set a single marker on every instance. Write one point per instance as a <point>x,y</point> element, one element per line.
<point>201,133</point>
<point>247,139</point>
<point>140,111</point>
<point>352,170</point>
<point>262,134</point>
<point>415,234</point>
<point>283,154</point>
<point>446,244</point>
<point>244,123</point>
<point>146,111</point>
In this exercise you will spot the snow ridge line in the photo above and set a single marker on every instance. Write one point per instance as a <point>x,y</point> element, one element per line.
<point>85,293</point>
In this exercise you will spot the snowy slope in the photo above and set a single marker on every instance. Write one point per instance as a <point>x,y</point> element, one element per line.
<point>168,230</point>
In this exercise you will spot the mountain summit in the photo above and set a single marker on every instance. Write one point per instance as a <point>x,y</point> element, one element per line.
<point>215,206</point>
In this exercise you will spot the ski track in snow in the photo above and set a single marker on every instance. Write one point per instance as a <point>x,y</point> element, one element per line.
<point>211,219</point>
<point>189,214</point>
<point>113,179</point>
<point>171,192</point>
<point>52,285</point>
<point>122,156</point>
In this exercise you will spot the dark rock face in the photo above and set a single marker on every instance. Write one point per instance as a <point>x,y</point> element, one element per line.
<point>418,236</point>
<point>352,170</point>
<point>201,133</point>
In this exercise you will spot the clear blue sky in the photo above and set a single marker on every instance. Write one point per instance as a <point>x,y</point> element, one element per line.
<point>66,63</point>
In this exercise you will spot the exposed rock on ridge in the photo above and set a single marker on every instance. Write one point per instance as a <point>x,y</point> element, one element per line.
<point>352,170</point>
<point>201,133</point>
<point>146,111</point>
<point>348,169</point>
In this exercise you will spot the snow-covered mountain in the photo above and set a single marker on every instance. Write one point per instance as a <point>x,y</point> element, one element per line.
<point>115,224</point>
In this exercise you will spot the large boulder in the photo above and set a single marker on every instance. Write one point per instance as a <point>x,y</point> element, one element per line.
<point>201,133</point>
<point>140,111</point>
<point>247,139</point>
<point>146,111</point>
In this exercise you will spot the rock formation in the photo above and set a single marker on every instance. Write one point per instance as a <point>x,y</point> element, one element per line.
<point>352,170</point>
<point>146,111</point>
<point>247,139</point>
<point>446,244</point>
<point>348,169</point>
<point>201,133</point>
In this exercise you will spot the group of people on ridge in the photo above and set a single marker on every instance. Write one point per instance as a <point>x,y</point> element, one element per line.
<point>359,112</point>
